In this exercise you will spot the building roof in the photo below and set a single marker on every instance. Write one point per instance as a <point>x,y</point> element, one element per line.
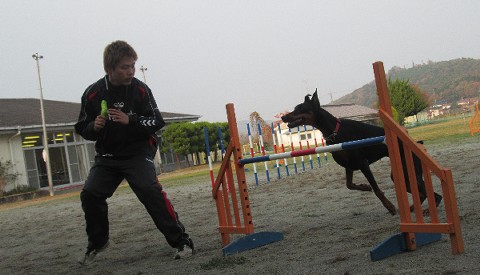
<point>351,111</point>
<point>25,113</point>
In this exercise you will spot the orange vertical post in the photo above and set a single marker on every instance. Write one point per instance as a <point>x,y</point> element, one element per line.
<point>240,171</point>
<point>395,133</point>
<point>238,221</point>
<point>393,151</point>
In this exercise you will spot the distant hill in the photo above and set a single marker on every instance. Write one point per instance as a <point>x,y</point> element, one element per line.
<point>445,81</point>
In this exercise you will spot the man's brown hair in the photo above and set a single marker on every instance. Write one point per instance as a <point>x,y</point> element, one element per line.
<point>114,52</point>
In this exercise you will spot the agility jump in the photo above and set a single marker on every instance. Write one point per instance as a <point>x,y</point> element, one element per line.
<point>413,233</point>
<point>330,148</point>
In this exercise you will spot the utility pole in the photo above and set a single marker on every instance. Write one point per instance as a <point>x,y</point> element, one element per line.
<point>143,69</point>
<point>158,158</point>
<point>45,137</point>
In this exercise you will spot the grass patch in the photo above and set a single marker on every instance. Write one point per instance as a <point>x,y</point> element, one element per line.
<point>447,130</point>
<point>186,178</point>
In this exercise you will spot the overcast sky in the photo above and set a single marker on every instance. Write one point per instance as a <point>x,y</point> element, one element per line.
<point>263,56</point>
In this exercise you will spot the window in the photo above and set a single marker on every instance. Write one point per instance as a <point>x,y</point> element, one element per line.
<point>305,136</point>
<point>69,159</point>
<point>61,137</point>
<point>32,140</point>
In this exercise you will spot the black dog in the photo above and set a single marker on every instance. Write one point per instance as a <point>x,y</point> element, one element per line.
<point>341,130</point>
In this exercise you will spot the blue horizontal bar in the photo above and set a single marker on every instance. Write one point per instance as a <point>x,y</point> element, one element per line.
<point>362,143</point>
<point>255,159</point>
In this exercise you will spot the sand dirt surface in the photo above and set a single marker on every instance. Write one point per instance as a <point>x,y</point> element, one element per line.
<point>327,228</point>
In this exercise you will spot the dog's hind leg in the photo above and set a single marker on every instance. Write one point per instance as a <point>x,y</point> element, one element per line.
<point>423,195</point>
<point>368,174</point>
<point>352,186</point>
<point>420,184</point>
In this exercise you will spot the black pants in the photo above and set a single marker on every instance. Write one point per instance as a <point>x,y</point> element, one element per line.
<point>104,178</point>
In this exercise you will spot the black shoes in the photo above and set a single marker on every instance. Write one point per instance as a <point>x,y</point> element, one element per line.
<point>185,250</point>
<point>89,256</point>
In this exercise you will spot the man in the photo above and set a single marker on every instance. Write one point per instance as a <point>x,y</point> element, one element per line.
<point>125,148</point>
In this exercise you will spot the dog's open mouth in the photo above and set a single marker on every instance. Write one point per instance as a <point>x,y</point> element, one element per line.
<point>293,121</point>
<point>296,123</point>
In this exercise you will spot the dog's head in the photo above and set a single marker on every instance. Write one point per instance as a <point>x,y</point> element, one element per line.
<point>304,113</point>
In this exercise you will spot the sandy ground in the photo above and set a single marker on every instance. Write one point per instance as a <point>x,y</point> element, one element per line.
<point>327,228</point>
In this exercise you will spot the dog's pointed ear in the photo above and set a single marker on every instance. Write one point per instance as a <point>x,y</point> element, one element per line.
<point>315,98</point>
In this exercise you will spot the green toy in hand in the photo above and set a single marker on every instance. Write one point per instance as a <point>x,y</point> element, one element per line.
<point>104,111</point>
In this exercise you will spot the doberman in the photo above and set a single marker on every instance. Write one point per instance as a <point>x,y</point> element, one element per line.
<point>341,130</point>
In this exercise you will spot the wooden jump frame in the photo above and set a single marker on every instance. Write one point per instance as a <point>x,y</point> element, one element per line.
<point>225,195</point>
<point>393,133</point>
<point>236,220</point>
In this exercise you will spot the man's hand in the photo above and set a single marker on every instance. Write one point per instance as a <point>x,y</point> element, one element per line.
<point>118,116</point>
<point>99,123</point>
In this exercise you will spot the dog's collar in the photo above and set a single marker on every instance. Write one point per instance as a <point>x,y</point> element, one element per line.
<point>337,128</point>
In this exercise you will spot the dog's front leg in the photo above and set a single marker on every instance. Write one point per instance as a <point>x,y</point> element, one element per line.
<point>368,174</point>
<point>351,186</point>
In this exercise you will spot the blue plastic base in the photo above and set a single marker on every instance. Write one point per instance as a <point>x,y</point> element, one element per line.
<point>252,241</point>
<point>397,244</point>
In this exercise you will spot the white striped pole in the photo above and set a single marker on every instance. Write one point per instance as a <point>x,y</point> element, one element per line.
<point>301,148</point>
<point>252,153</point>
<point>316,145</point>
<point>292,149</point>
<point>275,150</point>
<point>283,149</point>
<point>209,158</point>
<point>323,144</point>
<point>263,151</point>
<point>308,146</point>
<point>330,148</point>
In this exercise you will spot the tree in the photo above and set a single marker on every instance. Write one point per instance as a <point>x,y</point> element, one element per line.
<point>176,137</point>
<point>256,119</point>
<point>197,139</point>
<point>396,116</point>
<point>5,175</point>
<point>407,99</point>
<point>189,138</point>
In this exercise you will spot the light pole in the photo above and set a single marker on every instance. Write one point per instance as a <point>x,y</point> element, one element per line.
<point>45,137</point>
<point>143,69</point>
<point>157,156</point>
